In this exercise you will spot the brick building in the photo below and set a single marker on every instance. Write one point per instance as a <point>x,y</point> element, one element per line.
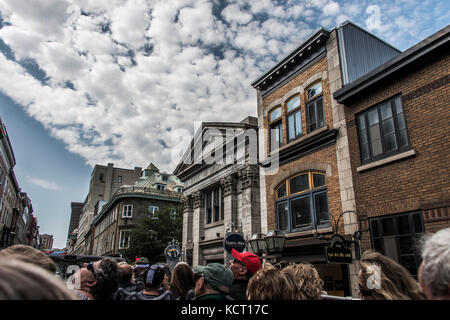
<point>305,179</point>
<point>398,120</point>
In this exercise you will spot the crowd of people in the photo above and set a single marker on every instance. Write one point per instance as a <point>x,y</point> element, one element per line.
<point>29,274</point>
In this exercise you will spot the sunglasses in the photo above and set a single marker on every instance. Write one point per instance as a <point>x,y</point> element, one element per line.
<point>364,292</point>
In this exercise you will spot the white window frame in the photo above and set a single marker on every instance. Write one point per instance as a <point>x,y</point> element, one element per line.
<point>122,240</point>
<point>130,211</point>
<point>152,212</point>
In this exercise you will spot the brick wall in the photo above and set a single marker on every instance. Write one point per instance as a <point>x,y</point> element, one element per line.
<point>419,182</point>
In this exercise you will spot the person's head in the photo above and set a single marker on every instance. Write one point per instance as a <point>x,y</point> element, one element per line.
<point>434,272</point>
<point>270,283</point>
<point>212,278</point>
<point>126,272</point>
<point>382,278</point>
<point>100,278</point>
<point>142,264</point>
<point>25,281</point>
<point>307,283</point>
<point>182,279</point>
<point>244,265</point>
<point>153,277</point>
<point>29,254</point>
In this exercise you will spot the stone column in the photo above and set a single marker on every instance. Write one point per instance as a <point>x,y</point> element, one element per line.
<point>229,202</point>
<point>198,222</point>
<point>342,152</point>
<point>251,215</point>
<point>186,202</point>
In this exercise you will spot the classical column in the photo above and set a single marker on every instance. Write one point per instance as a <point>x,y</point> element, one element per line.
<point>251,210</point>
<point>198,222</point>
<point>186,239</point>
<point>229,202</point>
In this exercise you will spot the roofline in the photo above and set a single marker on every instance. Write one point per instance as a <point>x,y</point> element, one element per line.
<point>393,65</point>
<point>304,45</point>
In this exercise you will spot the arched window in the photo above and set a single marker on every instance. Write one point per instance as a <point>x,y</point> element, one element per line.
<point>294,118</point>
<point>275,129</point>
<point>314,107</point>
<point>301,202</point>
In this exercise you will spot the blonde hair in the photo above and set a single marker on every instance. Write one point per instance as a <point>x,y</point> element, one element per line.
<point>30,255</point>
<point>24,281</point>
<point>270,283</point>
<point>396,283</point>
<point>307,283</point>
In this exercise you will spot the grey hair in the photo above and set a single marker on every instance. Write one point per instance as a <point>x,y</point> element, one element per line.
<point>436,262</point>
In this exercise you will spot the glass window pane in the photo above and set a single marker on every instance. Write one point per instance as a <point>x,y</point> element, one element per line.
<point>299,183</point>
<point>386,111</point>
<point>298,123</point>
<point>377,147</point>
<point>361,122</point>
<point>403,138</point>
<point>291,127</point>
<point>276,136</point>
<point>282,191</point>
<point>311,116</point>
<point>320,117</point>
<point>321,206</point>
<point>388,227</point>
<point>417,222</point>
<point>319,180</point>
<point>398,105</point>
<point>388,126</point>
<point>293,103</point>
<point>301,212</point>
<point>390,143</point>
<point>403,225</point>
<point>401,122</point>
<point>363,136</point>
<point>282,212</point>
<point>375,231</point>
<point>378,245</point>
<point>373,117</point>
<point>314,90</point>
<point>405,245</point>
<point>275,114</point>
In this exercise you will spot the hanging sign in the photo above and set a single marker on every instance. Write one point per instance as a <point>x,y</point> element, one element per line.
<point>234,241</point>
<point>338,254</point>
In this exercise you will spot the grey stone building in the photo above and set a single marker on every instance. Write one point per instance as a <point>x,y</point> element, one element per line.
<point>220,175</point>
<point>152,192</point>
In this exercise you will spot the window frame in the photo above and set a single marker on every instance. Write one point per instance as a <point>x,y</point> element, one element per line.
<point>153,213</point>
<point>313,102</point>
<point>130,216</point>
<point>310,193</point>
<point>211,215</point>
<point>121,239</point>
<point>395,116</point>
<point>276,124</point>
<point>292,113</point>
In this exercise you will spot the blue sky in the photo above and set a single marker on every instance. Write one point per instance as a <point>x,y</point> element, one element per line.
<point>85,82</point>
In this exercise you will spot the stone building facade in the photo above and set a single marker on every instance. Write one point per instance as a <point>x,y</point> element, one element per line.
<point>397,117</point>
<point>310,189</point>
<point>152,192</point>
<point>220,197</point>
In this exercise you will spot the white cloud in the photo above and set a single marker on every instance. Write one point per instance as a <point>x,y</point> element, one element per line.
<point>49,185</point>
<point>331,8</point>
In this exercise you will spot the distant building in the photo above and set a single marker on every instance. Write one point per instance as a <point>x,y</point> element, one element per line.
<point>114,219</point>
<point>76,211</point>
<point>46,241</point>
<point>105,181</point>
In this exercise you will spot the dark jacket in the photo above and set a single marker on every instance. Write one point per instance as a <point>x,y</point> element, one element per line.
<point>238,290</point>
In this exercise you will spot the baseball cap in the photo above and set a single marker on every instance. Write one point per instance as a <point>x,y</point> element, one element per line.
<point>142,262</point>
<point>250,260</point>
<point>155,275</point>
<point>216,275</point>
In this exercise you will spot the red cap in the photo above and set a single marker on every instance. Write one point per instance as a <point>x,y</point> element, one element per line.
<point>250,260</point>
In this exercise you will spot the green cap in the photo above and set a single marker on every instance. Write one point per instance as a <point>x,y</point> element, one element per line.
<point>216,275</point>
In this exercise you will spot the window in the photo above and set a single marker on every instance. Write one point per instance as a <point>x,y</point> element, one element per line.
<point>153,212</point>
<point>124,241</point>
<point>276,129</point>
<point>179,189</point>
<point>173,214</point>
<point>100,177</point>
<point>302,203</point>
<point>161,187</point>
<point>382,131</point>
<point>294,118</point>
<point>164,178</point>
<point>127,211</point>
<point>119,179</point>
<point>214,205</point>
<point>314,107</point>
<point>397,236</point>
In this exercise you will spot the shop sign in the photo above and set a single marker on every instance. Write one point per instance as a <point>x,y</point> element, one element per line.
<point>338,254</point>
<point>234,241</point>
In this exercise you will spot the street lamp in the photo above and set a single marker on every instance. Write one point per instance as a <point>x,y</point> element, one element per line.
<point>271,243</point>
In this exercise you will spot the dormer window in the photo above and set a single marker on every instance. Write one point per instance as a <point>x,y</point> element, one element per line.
<point>164,178</point>
<point>160,187</point>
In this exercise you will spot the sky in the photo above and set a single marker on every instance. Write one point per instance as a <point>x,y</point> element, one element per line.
<point>85,82</point>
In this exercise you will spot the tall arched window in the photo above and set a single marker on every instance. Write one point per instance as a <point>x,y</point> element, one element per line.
<point>275,129</point>
<point>314,107</point>
<point>301,202</point>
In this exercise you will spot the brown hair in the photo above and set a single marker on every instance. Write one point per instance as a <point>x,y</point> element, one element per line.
<point>270,283</point>
<point>307,283</point>
<point>396,283</point>
<point>30,255</point>
<point>182,280</point>
<point>24,281</point>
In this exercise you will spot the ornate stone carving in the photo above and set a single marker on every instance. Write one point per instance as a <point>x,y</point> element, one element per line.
<point>186,202</point>
<point>249,176</point>
<point>228,184</point>
<point>197,198</point>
